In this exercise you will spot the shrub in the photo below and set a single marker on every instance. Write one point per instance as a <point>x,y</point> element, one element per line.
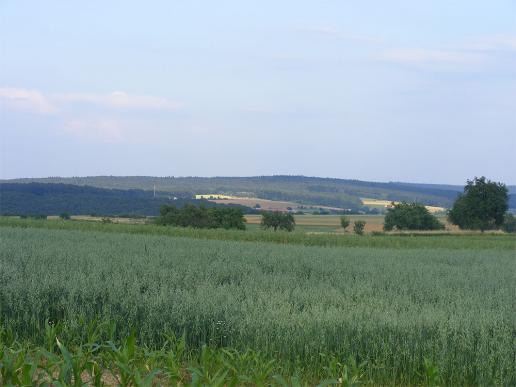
<point>278,220</point>
<point>202,217</point>
<point>64,216</point>
<point>358,227</point>
<point>509,224</point>
<point>344,222</point>
<point>410,216</point>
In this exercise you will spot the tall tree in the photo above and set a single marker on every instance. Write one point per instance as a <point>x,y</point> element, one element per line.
<point>482,206</point>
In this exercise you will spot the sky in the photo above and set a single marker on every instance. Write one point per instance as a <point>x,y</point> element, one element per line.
<point>399,90</point>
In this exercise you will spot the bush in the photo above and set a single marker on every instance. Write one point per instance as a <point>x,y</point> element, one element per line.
<point>509,224</point>
<point>410,216</point>
<point>358,227</point>
<point>202,217</point>
<point>344,222</point>
<point>64,216</point>
<point>278,220</point>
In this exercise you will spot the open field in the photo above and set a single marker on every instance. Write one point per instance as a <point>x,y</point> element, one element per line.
<point>331,223</point>
<point>267,205</point>
<point>304,223</point>
<point>270,205</point>
<point>399,313</point>
<point>474,240</point>
<point>326,223</point>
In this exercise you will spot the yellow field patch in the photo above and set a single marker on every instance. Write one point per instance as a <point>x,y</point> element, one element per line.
<point>388,203</point>
<point>214,196</point>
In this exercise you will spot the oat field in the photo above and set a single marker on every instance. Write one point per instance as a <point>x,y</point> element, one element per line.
<point>402,316</point>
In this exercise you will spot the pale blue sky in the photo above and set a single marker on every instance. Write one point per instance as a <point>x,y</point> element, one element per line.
<point>421,91</point>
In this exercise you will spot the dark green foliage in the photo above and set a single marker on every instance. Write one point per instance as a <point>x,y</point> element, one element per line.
<point>344,222</point>
<point>410,216</point>
<point>358,227</point>
<point>64,215</point>
<point>201,217</point>
<point>509,223</point>
<point>54,199</point>
<point>482,206</point>
<point>278,220</point>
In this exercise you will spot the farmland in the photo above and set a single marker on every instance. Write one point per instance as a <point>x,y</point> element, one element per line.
<point>417,310</point>
<point>382,204</point>
<point>326,223</point>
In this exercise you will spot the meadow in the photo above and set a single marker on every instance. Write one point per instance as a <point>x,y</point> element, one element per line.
<point>376,314</point>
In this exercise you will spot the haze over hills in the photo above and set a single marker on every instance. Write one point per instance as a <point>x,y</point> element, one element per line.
<point>341,193</point>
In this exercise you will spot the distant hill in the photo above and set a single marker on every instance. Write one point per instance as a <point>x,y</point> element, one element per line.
<point>301,189</point>
<point>54,199</point>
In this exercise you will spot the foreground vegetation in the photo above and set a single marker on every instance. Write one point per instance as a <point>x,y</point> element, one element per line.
<point>100,363</point>
<point>385,316</point>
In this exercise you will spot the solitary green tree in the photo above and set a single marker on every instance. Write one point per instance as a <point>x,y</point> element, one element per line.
<point>344,222</point>
<point>410,216</point>
<point>358,227</point>
<point>278,220</point>
<point>482,206</point>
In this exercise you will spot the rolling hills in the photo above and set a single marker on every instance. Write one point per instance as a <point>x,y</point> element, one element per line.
<point>333,192</point>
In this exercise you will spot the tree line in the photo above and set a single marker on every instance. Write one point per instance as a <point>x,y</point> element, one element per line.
<point>482,206</point>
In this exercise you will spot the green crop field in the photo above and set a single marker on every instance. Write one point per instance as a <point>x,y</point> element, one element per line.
<point>411,311</point>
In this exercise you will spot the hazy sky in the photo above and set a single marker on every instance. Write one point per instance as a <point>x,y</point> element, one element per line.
<point>421,91</point>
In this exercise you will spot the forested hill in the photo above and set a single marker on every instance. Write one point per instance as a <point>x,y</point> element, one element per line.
<point>301,189</point>
<point>54,199</point>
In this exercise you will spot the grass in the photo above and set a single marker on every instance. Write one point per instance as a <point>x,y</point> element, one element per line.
<point>394,315</point>
<point>405,240</point>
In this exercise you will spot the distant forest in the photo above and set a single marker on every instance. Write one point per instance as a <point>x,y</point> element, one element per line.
<point>54,199</point>
<point>301,189</point>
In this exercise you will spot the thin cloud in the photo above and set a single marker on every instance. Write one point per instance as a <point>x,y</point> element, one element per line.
<point>119,100</point>
<point>106,124</point>
<point>26,100</point>
<point>36,101</point>
<point>104,129</point>
<point>434,59</point>
<point>422,56</point>
<point>335,33</point>
<point>462,56</point>
<point>492,43</point>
